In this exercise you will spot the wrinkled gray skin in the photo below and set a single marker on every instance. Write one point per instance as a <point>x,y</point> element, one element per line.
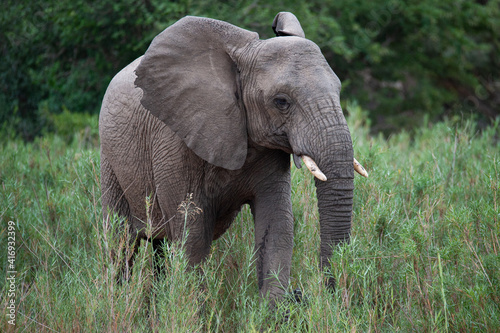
<point>211,109</point>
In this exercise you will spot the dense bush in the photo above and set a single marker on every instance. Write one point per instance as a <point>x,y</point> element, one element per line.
<point>403,59</point>
<point>400,59</point>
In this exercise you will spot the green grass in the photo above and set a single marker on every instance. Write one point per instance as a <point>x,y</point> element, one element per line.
<point>424,254</point>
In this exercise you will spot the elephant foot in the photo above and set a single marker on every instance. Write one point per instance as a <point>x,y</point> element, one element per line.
<point>298,297</point>
<point>291,299</point>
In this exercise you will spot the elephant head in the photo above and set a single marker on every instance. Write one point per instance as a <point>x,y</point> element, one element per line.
<point>221,88</point>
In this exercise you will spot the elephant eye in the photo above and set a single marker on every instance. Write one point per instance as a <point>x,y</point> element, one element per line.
<point>281,103</point>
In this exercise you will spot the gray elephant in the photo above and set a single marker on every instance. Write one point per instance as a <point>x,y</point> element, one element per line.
<point>212,110</point>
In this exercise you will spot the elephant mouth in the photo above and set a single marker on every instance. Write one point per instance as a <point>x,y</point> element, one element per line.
<point>316,171</point>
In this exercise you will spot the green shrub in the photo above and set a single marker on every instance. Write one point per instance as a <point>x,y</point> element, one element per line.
<point>405,61</point>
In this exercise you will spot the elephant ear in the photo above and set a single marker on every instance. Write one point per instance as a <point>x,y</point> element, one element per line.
<point>190,82</point>
<point>287,24</point>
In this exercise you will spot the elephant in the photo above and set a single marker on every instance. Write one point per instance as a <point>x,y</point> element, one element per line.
<point>213,111</point>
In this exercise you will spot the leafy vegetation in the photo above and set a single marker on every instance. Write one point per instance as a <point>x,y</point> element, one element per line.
<point>401,59</point>
<point>424,253</point>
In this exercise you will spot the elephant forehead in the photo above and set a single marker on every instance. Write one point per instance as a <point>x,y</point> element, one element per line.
<point>289,48</point>
<point>291,57</point>
<point>293,60</point>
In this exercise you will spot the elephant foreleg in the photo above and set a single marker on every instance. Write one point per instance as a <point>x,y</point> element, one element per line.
<point>272,210</point>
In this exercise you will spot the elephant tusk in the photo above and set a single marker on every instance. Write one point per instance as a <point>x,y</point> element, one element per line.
<point>359,169</point>
<point>313,167</point>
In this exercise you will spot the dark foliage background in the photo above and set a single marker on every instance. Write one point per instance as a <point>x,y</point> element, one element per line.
<point>403,61</point>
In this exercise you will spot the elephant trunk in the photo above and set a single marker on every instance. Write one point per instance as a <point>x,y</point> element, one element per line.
<point>334,157</point>
<point>335,199</point>
<point>326,140</point>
